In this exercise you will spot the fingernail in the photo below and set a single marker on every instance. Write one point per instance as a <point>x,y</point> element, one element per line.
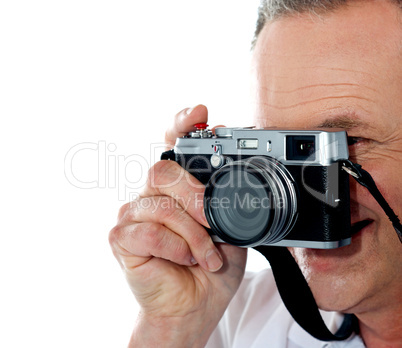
<point>189,111</point>
<point>193,261</point>
<point>214,260</point>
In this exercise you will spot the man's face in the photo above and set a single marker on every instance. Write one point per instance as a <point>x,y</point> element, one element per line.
<point>344,70</point>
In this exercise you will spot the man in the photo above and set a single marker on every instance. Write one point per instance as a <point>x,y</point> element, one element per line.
<point>316,64</point>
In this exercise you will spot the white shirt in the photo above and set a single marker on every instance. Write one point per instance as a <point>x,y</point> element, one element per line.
<point>257,318</point>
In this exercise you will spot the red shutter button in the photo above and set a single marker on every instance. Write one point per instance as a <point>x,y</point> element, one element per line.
<point>201,126</point>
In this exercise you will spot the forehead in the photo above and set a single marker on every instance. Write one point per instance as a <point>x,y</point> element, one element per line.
<point>346,63</point>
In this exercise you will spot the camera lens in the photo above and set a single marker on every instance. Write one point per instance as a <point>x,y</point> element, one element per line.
<point>251,202</point>
<point>242,210</point>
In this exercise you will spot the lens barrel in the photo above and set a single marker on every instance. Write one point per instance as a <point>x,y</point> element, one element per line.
<point>251,202</point>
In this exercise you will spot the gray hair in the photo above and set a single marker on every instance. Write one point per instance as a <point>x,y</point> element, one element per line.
<point>270,10</point>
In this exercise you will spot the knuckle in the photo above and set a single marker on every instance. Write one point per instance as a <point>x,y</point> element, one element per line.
<point>132,213</point>
<point>118,241</point>
<point>165,244</point>
<point>114,235</point>
<point>180,249</point>
<point>129,211</point>
<point>154,237</point>
<point>200,240</point>
<point>122,211</point>
<point>168,210</point>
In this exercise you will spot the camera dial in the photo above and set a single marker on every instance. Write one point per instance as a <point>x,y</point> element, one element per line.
<point>217,159</point>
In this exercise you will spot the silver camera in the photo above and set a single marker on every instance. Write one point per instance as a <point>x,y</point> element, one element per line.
<point>281,187</point>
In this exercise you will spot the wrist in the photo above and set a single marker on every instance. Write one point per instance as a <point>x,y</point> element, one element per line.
<point>186,332</point>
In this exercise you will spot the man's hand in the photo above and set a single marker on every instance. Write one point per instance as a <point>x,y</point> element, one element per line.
<point>181,280</point>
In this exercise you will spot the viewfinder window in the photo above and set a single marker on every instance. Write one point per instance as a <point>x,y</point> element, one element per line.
<point>300,148</point>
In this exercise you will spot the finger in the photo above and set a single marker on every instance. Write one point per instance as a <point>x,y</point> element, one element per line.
<point>184,122</point>
<point>134,245</point>
<point>167,178</point>
<point>166,211</point>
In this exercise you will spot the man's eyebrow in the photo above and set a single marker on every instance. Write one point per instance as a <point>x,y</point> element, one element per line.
<point>344,122</point>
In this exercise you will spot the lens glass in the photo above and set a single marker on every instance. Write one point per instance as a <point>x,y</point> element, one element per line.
<point>240,204</point>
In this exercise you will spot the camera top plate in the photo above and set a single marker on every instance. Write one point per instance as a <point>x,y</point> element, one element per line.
<point>320,147</point>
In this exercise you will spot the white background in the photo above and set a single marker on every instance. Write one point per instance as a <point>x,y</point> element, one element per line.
<point>105,76</point>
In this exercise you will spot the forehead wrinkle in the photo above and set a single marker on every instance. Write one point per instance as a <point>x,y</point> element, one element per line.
<point>302,103</point>
<point>271,90</point>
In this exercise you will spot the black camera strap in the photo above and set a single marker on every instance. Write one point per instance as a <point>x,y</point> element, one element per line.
<point>365,179</point>
<point>298,298</point>
<point>293,287</point>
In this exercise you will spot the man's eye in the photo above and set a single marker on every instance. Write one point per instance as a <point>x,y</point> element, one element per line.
<point>355,140</point>
<point>358,146</point>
